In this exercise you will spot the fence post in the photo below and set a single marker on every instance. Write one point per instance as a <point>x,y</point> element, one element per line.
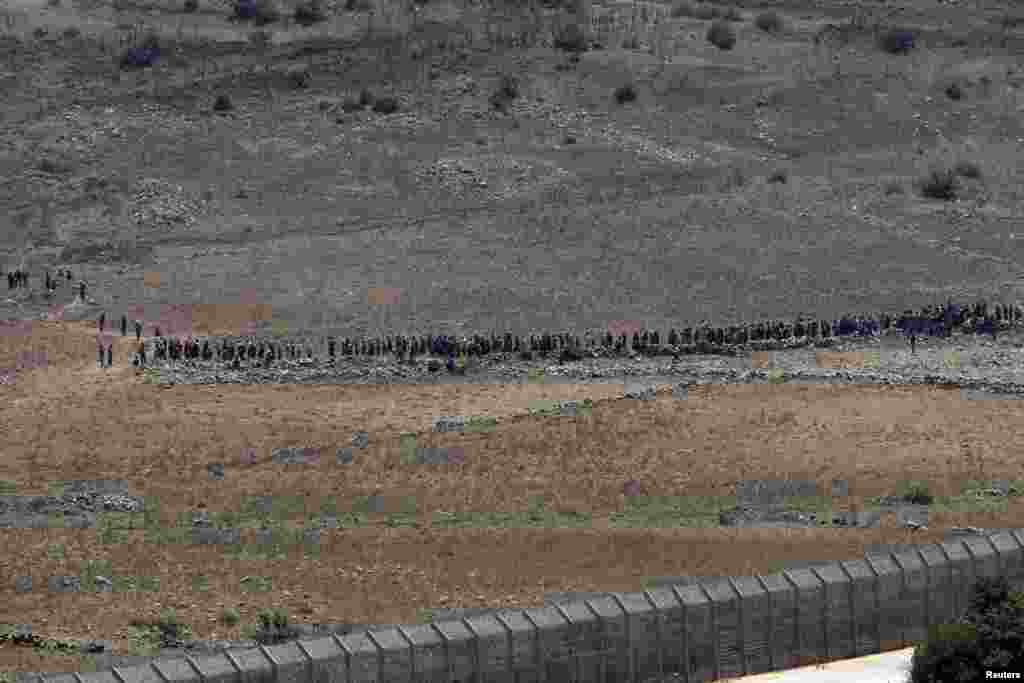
<point>771,619</point>
<point>742,629</point>
<point>714,628</point>
<point>796,611</point>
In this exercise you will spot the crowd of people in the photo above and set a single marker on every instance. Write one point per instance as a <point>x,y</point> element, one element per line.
<point>933,321</point>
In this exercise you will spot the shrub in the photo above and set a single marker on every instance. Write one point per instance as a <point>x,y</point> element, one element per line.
<point>939,184</point>
<point>732,14</point>
<point>721,35</point>
<point>954,92</point>
<point>950,653</point>
<point>272,627</point>
<point>366,98</point>
<point>350,105</point>
<point>309,13</point>
<point>917,494</point>
<point>191,6</point>
<point>39,32</point>
<point>893,187</point>
<point>897,41</point>
<point>967,169</point>
<point>571,39</point>
<point>769,22</point>
<point>222,103</point>
<point>71,33</point>
<point>778,177</point>
<point>230,616</point>
<point>625,93</point>
<point>53,3</point>
<point>386,105</point>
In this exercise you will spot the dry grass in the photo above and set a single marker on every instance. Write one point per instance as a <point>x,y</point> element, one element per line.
<point>73,421</point>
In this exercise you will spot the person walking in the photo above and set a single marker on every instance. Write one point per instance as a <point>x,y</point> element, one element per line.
<point>913,343</point>
<point>110,354</point>
<point>138,331</point>
<point>81,291</point>
<point>124,325</point>
<point>142,353</point>
<point>103,321</point>
<point>99,354</point>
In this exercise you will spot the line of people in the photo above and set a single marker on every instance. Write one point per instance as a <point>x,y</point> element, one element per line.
<point>935,321</point>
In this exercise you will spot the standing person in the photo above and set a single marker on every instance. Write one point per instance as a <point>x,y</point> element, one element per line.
<point>68,273</point>
<point>138,331</point>
<point>110,354</point>
<point>10,280</point>
<point>913,343</point>
<point>142,354</point>
<point>99,354</point>
<point>124,324</point>
<point>103,320</point>
<point>81,291</point>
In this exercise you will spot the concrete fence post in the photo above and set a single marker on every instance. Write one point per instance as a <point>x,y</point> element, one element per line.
<point>661,632</point>
<point>771,620</point>
<point>741,631</point>
<point>853,611</point>
<point>797,639</point>
<point>715,632</point>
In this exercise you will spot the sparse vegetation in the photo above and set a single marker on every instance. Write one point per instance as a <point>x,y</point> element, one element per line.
<point>939,184</point>
<point>272,627</point>
<point>721,35</point>
<point>897,41</point>
<point>625,93</point>
<point>769,22</point>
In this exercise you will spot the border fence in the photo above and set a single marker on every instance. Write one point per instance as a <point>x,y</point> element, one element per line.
<point>704,631</point>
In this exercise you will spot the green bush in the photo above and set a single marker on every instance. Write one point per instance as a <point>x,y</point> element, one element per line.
<point>950,653</point>
<point>230,616</point>
<point>939,184</point>
<point>769,22</point>
<point>721,35</point>
<point>625,93</point>
<point>272,627</point>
